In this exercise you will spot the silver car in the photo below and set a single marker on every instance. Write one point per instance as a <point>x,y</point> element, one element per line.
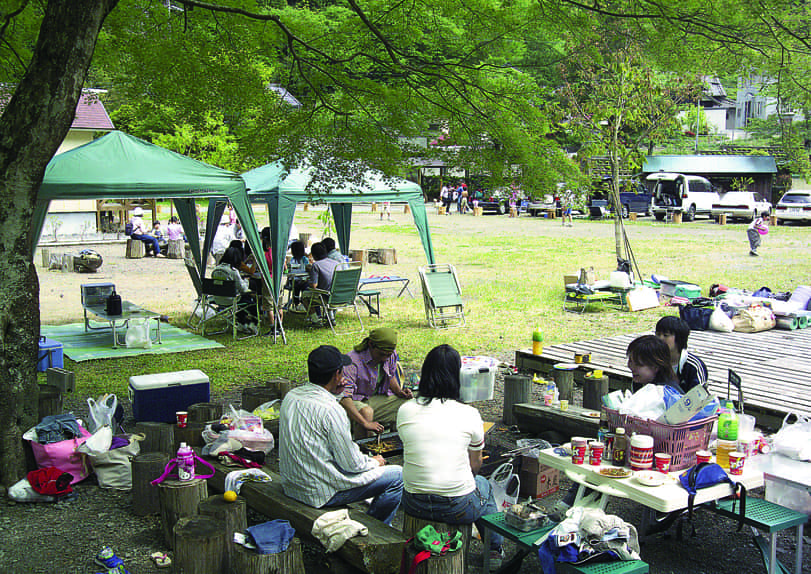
<point>794,206</point>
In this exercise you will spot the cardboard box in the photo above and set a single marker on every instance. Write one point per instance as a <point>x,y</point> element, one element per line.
<point>158,397</point>
<point>687,406</point>
<point>537,480</point>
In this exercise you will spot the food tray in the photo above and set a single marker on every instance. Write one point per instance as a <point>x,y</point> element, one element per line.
<point>367,445</point>
<point>528,518</point>
<point>680,441</point>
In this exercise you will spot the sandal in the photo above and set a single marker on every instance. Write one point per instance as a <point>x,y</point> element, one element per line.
<point>161,559</point>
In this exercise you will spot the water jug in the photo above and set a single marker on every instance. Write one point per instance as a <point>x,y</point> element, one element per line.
<point>185,462</point>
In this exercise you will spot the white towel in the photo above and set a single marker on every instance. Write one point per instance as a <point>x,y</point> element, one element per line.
<point>236,478</point>
<point>334,528</point>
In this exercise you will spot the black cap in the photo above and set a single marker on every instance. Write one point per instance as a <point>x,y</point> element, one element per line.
<point>326,359</point>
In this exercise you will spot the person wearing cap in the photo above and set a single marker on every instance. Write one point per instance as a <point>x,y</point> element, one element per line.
<point>139,233</point>
<point>373,392</point>
<point>319,462</point>
<point>690,370</point>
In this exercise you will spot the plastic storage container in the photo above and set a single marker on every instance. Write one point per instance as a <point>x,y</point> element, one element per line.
<point>477,378</point>
<point>675,288</point>
<point>157,397</point>
<point>50,355</point>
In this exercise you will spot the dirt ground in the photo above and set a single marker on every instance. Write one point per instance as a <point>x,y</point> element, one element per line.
<point>64,537</point>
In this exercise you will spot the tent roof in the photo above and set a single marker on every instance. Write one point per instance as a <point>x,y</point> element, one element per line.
<point>274,178</point>
<point>710,164</point>
<point>120,165</point>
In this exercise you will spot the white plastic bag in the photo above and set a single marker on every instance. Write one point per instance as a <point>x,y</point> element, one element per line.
<point>102,412</point>
<point>647,403</point>
<point>268,411</point>
<point>138,334</point>
<point>99,443</point>
<point>720,321</point>
<point>505,484</point>
<point>202,311</point>
<point>22,491</point>
<point>794,439</point>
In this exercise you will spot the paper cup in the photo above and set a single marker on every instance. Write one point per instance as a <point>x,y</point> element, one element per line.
<point>736,460</point>
<point>662,462</point>
<point>578,450</point>
<point>578,358</point>
<point>547,399</point>
<point>564,405</point>
<point>703,456</point>
<point>596,453</point>
<point>182,418</point>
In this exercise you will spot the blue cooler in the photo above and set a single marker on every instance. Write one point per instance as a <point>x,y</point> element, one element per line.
<point>50,354</point>
<point>158,397</point>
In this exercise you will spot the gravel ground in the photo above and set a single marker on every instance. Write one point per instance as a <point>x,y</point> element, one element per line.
<point>69,533</point>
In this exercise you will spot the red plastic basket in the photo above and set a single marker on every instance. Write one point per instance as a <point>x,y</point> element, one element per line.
<point>680,441</point>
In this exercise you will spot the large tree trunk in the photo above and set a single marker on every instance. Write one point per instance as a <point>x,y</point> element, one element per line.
<point>34,123</point>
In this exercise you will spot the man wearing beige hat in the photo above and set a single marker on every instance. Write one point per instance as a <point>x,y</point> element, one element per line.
<point>373,391</point>
<point>139,232</point>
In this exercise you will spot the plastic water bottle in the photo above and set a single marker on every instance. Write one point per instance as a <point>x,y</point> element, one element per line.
<point>728,423</point>
<point>185,462</point>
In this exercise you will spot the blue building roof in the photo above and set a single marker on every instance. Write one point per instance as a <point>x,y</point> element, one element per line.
<point>710,164</point>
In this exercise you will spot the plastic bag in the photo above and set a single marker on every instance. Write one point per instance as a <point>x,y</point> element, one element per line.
<point>794,439</point>
<point>99,443</point>
<point>102,412</point>
<point>202,311</point>
<point>647,403</point>
<point>243,420</point>
<point>22,491</point>
<point>720,321</point>
<point>254,440</point>
<point>114,467</point>
<point>138,334</point>
<point>268,411</point>
<point>505,485</point>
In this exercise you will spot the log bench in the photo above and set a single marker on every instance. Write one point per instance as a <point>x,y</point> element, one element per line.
<point>378,553</point>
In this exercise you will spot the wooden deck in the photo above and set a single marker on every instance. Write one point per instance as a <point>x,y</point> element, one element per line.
<point>774,366</point>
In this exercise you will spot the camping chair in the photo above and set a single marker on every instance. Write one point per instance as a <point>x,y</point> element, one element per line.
<point>220,298</point>
<point>442,296</point>
<point>342,294</point>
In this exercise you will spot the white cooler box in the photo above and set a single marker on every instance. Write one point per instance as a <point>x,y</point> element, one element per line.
<point>477,378</point>
<point>158,397</point>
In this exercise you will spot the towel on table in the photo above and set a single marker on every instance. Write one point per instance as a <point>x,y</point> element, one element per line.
<point>334,528</point>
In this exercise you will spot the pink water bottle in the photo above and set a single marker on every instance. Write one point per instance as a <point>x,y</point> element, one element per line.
<point>185,462</point>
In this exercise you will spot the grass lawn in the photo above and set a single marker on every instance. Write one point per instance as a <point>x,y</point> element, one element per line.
<point>511,271</point>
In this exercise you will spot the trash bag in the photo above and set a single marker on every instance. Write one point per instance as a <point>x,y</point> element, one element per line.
<point>88,261</point>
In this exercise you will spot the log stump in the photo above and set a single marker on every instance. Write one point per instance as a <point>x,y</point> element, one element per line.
<point>191,434</point>
<point>252,397</point>
<point>407,209</point>
<point>632,216</point>
<point>179,499</point>
<point>305,238</point>
<point>204,412</point>
<point>135,249</point>
<point>722,219</point>
<point>677,217</point>
<point>233,516</point>
<point>516,390</point>
<point>49,401</point>
<point>247,561</point>
<point>199,546</point>
<point>440,210</point>
<point>513,212</point>
<point>175,249</point>
<point>374,207</point>
<point>67,263</point>
<point>146,467</point>
<point>357,255</point>
<point>773,220</point>
<point>281,383</point>
<point>159,437</point>
<point>550,214</point>
<point>593,391</point>
<point>478,211</point>
<point>564,379</point>
<point>306,207</point>
<point>450,563</point>
<point>46,257</point>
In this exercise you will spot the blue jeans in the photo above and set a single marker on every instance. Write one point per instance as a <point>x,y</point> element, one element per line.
<point>386,490</point>
<point>149,241</point>
<point>456,509</point>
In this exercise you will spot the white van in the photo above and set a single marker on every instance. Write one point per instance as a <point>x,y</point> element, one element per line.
<point>691,194</point>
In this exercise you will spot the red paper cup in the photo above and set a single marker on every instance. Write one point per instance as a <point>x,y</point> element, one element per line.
<point>703,456</point>
<point>596,453</point>
<point>736,460</point>
<point>578,451</point>
<point>662,462</point>
<point>182,418</point>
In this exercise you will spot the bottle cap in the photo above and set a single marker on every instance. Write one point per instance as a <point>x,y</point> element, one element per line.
<point>183,445</point>
<point>619,430</point>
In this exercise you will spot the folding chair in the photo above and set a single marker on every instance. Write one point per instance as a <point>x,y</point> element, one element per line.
<point>442,296</point>
<point>342,294</point>
<point>221,299</point>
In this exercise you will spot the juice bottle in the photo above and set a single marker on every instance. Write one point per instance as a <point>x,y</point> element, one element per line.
<point>728,423</point>
<point>620,447</point>
<point>537,342</point>
<point>185,462</point>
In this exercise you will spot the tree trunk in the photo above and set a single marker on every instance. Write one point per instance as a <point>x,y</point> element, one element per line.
<point>34,123</point>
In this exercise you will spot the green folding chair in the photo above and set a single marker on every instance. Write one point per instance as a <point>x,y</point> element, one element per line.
<point>342,294</point>
<point>442,296</point>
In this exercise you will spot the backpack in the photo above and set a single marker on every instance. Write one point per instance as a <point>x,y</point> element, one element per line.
<point>128,228</point>
<point>428,542</point>
<point>709,474</point>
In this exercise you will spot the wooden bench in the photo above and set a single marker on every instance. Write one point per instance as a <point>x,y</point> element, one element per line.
<point>379,553</point>
<point>764,515</point>
<point>526,543</point>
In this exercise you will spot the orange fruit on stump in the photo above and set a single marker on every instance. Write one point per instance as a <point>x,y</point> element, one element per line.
<point>229,496</point>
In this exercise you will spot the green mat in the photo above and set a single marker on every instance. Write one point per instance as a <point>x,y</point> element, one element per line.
<point>79,345</point>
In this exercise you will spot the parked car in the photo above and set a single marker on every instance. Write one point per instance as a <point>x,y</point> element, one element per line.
<point>691,194</point>
<point>741,205</point>
<point>794,206</point>
<point>634,197</point>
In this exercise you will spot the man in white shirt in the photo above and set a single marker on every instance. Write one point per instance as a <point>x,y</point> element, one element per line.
<point>223,237</point>
<point>319,463</point>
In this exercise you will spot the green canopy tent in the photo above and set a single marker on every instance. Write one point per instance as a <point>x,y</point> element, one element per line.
<point>282,190</point>
<point>117,166</point>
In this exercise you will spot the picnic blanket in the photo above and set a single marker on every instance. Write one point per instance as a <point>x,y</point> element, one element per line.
<point>79,345</point>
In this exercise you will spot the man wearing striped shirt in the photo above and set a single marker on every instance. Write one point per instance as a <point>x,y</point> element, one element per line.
<point>319,463</point>
<point>690,370</point>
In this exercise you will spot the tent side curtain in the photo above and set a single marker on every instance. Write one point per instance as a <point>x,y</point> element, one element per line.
<point>420,216</point>
<point>342,216</point>
<point>40,212</point>
<point>282,210</point>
